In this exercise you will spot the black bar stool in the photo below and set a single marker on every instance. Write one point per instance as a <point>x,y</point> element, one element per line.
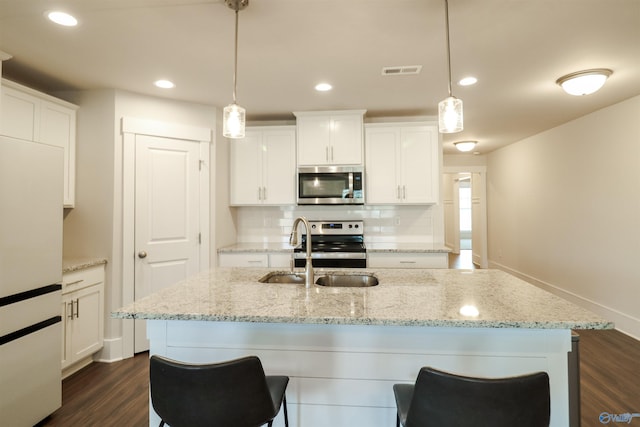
<point>442,399</point>
<point>233,393</point>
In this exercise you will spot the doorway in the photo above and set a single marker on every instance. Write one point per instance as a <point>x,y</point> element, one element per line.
<point>464,201</point>
<point>165,212</point>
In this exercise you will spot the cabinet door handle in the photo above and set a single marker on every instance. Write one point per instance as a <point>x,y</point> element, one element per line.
<point>326,153</point>
<point>398,193</point>
<point>70,316</point>
<point>142,254</point>
<point>75,282</point>
<point>332,153</point>
<point>264,193</point>
<point>77,308</point>
<point>259,194</point>
<point>404,191</point>
<point>407,262</point>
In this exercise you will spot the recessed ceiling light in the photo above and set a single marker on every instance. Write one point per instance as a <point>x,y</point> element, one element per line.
<point>323,87</point>
<point>62,18</point>
<point>468,81</point>
<point>164,84</point>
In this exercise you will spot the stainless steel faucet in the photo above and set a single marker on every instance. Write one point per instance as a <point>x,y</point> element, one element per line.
<point>293,240</point>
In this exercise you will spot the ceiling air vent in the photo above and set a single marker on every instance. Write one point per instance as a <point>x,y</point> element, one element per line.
<point>402,70</point>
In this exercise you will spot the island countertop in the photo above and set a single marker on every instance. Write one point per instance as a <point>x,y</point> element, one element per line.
<point>403,298</point>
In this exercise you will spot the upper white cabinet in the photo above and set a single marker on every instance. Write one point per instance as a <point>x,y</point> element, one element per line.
<point>34,116</point>
<point>402,163</point>
<point>263,167</point>
<point>329,137</point>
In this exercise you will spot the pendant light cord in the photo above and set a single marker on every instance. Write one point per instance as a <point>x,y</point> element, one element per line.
<point>235,64</point>
<point>446,15</point>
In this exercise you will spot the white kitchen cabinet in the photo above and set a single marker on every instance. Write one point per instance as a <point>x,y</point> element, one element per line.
<point>82,311</point>
<point>407,260</point>
<point>255,259</point>
<point>329,137</point>
<point>33,116</point>
<point>402,163</point>
<point>263,168</point>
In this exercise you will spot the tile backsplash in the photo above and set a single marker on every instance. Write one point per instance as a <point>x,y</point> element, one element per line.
<point>402,224</point>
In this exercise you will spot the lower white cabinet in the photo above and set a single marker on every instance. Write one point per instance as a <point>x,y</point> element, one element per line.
<point>255,259</point>
<point>408,260</point>
<point>82,311</point>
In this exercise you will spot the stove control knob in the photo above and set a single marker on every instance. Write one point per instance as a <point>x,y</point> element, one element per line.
<point>313,226</point>
<point>357,226</point>
<point>350,225</point>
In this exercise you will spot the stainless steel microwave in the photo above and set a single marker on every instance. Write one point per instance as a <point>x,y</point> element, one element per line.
<point>330,185</point>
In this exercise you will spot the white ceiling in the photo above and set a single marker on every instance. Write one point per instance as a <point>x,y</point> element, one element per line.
<point>516,49</point>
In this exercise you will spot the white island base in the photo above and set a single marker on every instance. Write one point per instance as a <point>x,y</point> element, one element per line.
<point>342,375</point>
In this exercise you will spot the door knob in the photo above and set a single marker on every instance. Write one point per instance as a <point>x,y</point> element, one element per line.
<point>142,254</point>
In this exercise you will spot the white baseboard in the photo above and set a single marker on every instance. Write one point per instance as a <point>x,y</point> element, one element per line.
<point>624,323</point>
<point>111,352</point>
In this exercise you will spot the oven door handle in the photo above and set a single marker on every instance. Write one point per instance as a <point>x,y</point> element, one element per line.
<point>331,255</point>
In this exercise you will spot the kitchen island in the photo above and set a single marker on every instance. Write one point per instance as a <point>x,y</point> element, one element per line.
<point>344,348</point>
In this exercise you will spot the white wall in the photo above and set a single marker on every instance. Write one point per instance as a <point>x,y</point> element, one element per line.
<point>382,223</point>
<point>564,211</point>
<point>94,227</point>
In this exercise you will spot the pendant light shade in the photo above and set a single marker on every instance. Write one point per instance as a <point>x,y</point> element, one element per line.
<point>450,118</point>
<point>233,121</point>
<point>233,118</point>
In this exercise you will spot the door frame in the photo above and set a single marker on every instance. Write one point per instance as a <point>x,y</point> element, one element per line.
<point>482,170</point>
<point>131,127</point>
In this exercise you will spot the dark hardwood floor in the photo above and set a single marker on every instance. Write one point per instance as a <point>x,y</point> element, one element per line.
<point>105,394</point>
<point>116,394</point>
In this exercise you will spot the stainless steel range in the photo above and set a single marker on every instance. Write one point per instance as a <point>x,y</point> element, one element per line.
<point>334,244</point>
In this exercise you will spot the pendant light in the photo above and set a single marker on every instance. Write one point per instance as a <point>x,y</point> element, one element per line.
<point>233,119</point>
<point>449,109</point>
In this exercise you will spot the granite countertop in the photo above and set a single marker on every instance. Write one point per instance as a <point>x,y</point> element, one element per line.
<point>76,264</point>
<point>403,298</point>
<point>371,247</point>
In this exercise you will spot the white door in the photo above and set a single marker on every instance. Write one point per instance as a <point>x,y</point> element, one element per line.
<point>166,217</point>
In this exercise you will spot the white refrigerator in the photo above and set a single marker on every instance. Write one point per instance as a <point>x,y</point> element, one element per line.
<point>31,188</point>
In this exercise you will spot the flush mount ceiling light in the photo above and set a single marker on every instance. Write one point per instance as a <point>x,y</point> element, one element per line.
<point>62,18</point>
<point>465,145</point>
<point>584,82</point>
<point>449,109</point>
<point>233,120</point>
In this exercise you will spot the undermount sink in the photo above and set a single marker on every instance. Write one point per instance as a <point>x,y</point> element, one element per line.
<point>327,280</point>
<point>277,277</point>
<point>347,280</point>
